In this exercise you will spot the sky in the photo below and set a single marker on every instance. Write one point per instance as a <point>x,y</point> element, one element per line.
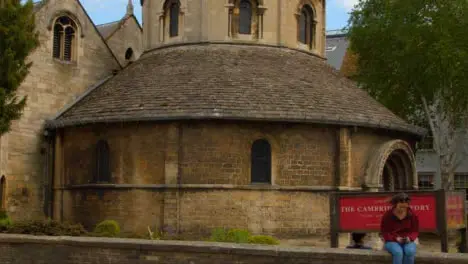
<point>103,11</point>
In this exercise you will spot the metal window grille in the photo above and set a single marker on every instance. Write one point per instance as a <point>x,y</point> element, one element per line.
<point>461,182</point>
<point>426,181</point>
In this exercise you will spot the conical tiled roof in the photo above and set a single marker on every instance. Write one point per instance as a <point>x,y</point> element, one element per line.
<point>231,82</point>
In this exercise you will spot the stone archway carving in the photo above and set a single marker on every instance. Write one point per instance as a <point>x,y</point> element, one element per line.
<point>391,167</point>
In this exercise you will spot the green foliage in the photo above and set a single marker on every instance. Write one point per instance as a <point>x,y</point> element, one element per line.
<point>232,235</point>
<point>240,236</point>
<point>5,221</point>
<point>409,50</point>
<point>219,235</point>
<point>107,228</point>
<point>46,227</point>
<point>18,38</point>
<point>267,240</point>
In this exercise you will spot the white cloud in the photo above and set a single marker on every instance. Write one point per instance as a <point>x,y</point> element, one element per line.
<point>347,4</point>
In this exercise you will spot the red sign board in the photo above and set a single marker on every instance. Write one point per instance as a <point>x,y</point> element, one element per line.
<point>364,213</point>
<point>455,204</point>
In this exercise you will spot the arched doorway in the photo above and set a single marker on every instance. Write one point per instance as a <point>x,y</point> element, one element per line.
<point>397,172</point>
<point>391,168</point>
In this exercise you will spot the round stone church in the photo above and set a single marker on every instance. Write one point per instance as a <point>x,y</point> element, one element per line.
<point>230,118</point>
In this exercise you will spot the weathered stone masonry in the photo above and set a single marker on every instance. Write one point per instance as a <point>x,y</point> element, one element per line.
<point>68,250</point>
<point>53,84</point>
<point>191,177</point>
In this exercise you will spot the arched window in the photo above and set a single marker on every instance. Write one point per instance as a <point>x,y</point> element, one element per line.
<point>245,17</point>
<point>306,25</point>
<point>174,11</point>
<point>261,162</point>
<point>129,54</point>
<point>103,172</point>
<point>2,192</point>
<point>64,39</point>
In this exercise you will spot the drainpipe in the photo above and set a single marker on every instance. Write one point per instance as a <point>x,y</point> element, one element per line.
<point>49,138</point>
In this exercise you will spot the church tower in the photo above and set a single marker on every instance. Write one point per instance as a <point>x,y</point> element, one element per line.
<point>296,24</point>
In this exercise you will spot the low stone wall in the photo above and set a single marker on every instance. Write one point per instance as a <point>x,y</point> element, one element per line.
<point>20,249</point>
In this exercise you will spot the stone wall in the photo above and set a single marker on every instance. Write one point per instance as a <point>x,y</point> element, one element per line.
<point>193,211</point>
<point>195,176</point>
<point>50,86</point>
<point>217,153</point>
<point>16,249</point>
<point>281,213</point>
<point>208,153</point>
<point>364,143</point>
<point>137,153</point>
<point>134,210</point>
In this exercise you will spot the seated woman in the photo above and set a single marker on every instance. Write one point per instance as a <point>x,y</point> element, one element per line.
<point>399,229</point>
<point>358,241</point>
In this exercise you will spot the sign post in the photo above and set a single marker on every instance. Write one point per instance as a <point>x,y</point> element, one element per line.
<point>438,211</point>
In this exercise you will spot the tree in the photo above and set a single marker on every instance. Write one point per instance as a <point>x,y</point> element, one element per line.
<point>18,39</point>
<point>413,58</point>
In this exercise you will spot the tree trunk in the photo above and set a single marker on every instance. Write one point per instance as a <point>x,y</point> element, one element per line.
<point>447,180</point>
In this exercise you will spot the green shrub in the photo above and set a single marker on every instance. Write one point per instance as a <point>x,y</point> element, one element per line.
<point>231,235</point>
<point>260,239</point>
<point>218,235</point>
<point>238,236</point>
<point>46,227</point>
<point>5,221</point>
<point>107,228</point>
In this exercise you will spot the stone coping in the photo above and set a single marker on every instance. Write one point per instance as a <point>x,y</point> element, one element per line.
<point>207,186</point>
<point>220,248</point>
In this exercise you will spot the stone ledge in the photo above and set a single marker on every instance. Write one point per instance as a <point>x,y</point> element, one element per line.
<point>200,186</point>
<point>193,247</point>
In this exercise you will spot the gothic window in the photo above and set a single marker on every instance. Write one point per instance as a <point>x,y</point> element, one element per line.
<point>245,17</point>
<point>65,31</point>
<point>306,26</point>
<point>103,172</point>
<point>261,162</point>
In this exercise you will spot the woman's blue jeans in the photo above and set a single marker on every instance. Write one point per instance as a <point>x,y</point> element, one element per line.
<point>402,253</point>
